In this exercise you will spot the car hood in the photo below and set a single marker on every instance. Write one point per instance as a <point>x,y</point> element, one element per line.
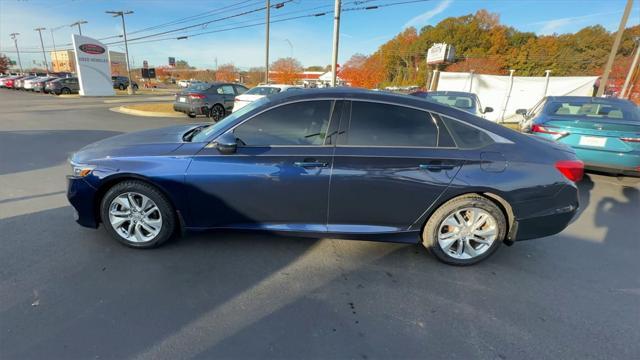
<point>152,142</point>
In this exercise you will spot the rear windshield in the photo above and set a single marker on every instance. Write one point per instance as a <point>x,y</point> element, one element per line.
<point>199,86</point>
<point>263,90</point>
<point>596,110</point>
<point>458,101</point>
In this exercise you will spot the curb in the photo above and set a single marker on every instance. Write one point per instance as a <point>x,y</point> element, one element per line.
<point>125,110</point>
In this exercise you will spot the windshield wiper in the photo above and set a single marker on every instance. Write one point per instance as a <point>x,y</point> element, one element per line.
<point>191,133</point>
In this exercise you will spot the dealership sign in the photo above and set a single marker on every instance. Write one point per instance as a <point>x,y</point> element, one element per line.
<point>440,53</point>
<point>94,70</point>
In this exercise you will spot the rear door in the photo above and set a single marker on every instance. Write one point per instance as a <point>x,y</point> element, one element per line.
<point>390,164</point>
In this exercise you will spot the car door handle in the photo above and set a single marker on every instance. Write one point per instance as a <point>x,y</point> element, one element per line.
<point>436,166</point>
<point>310,164</point>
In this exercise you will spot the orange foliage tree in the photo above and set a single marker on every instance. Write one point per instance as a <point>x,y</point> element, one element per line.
<point>286,71</point>
<point>227,73</point>
<point>489,65</point>
<point>363,71</point>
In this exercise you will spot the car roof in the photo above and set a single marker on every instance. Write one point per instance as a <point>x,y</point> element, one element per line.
<point>459,93</point>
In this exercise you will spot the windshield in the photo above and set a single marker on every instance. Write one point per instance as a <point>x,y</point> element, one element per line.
<point>198,86</point>
<point>596,110</point>
<point>463,102</point>
<point>263,90</point>
<point>204,134</point>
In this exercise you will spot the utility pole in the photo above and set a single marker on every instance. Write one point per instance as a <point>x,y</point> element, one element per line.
<point>266,58</point>
<point>336,36</point>
<point>14,37</point>
<point>55,51</point>
<point>44,55</point>
<point>78,23</point>
<point>130,90</point>
<point>632,70</point>
<point>614,50</point>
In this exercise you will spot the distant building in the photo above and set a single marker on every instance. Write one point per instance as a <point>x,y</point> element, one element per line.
<point>65,61</point>
<point>315,79</point>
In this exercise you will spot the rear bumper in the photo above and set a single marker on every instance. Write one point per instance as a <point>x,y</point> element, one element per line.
<point>610,161</point>
<point>188,108</point>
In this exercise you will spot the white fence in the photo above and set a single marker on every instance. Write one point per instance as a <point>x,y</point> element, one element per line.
<point>505,94</point>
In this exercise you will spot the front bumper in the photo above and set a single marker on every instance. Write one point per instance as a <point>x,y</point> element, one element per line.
<point>81,195</point>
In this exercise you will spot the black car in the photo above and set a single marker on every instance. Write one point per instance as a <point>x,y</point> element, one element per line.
<point>211,99</point>
<point>332,163</point>
<point>63,86</point>
<point>122,83</point>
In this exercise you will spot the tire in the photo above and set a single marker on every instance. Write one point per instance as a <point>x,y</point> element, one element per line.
<point>117,219</point>
<point>121,87</point>
<point>191,115</point>
<point>135,87</point>
<point>217,113</point>
<point>456,244</point>
<point>65,91</point>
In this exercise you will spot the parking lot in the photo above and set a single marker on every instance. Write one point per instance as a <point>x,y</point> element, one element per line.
<point>68,292</point>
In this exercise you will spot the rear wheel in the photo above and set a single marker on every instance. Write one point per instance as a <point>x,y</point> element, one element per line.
<point>191,115</point>
<point>65,91</point>
<point>121,87</point>
<point>217,112</point>
<point>465,230</point>
<point>137,214</point>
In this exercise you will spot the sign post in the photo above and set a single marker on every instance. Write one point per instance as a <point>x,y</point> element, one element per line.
<point>94,70</point>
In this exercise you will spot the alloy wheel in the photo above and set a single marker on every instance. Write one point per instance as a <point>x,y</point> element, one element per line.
<point>135,217</point>
<point>467,233</point>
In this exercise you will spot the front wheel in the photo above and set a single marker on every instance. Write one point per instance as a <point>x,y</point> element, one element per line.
<point>65,91</point>
<point>137,214</point>
<point>465,230</point>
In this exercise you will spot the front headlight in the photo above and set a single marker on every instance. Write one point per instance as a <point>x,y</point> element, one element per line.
<point>81,170</point>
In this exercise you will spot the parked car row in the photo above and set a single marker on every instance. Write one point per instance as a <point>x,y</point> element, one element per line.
<point>48,84</point>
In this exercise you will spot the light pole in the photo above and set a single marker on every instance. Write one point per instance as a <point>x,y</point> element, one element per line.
<point>78,23</point>
<point>130,90</point>
<point>44,55</point>
<point>14,36</point>
<point>266,56</point>
<point>55,51</point>
<point>336,36</point>
<point>614,49</point>
<point>290,47</point>
<point>632,70</point>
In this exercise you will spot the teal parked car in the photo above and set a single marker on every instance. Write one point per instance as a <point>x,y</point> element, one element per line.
<point>604,132</point>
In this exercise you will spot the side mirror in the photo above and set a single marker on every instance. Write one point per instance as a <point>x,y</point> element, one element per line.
<point>522,112</point>
<point>227,143</point>
<point>488,109</point>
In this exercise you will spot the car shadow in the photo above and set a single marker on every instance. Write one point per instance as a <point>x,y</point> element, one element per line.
<point>24,144</point>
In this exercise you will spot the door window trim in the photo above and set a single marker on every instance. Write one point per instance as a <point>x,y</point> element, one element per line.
<point>333,100</point>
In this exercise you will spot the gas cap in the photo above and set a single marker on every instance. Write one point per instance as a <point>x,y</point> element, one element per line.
<point>491,161</point>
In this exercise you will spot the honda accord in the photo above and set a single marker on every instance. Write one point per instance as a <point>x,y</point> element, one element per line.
<point>342,163</point>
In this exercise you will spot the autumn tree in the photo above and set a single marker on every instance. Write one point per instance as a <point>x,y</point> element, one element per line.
<point>4,63</point>
<point>286,71</point>
<point>363,71</point>
<point>226,73</point>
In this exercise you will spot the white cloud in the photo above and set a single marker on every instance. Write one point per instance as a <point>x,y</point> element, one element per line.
<point>554,25</point>
<point>424,18</point>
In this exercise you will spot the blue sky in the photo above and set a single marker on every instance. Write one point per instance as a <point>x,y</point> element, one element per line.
<point>307,39</point>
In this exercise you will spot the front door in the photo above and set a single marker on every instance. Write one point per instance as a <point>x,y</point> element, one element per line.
<point>228,96</point>
<point>277,180</point>
<point>391,163</point>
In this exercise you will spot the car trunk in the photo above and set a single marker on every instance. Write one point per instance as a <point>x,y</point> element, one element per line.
<point>616,135</point>
<point>190,97</point>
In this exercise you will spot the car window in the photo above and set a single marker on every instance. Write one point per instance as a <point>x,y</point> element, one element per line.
<point>198,87</point>
<point>240,89</point>
<point>263,90</point>
<point>589,109</point>
<point>375,124</point>
<point>463,102</point>
<point>225,90</point>
<point>301,123</point>
<point>466,136</point>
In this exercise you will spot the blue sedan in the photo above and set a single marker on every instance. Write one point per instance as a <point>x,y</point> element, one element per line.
<point>604,132</point>
<point>343,163</point>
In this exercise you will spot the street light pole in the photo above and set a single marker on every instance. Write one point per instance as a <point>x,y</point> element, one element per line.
<point>14,36</point>
<point>632,70</point>
<point>78,23</point>
<point>130,89</point>
<point>266,56</point>
<point>44,55</point>
<point>55,51</point>
<point>614,49</point>
<point>336,37</point>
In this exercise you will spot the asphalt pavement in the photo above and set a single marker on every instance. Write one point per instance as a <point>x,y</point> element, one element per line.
<point>68,292</point>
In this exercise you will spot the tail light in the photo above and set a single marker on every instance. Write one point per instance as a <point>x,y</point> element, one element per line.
<point>196,96</point>
<point>631,139</point>
<point>571,169</point>
<point>547,130</point>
